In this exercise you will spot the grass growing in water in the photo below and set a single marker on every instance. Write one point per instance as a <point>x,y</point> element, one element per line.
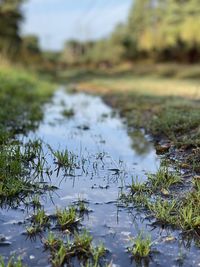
<point>68,113</point>
<point>40,218</point>
<point>163,179</point>
<point>163,210</point>
<point>141,247</point>
<point>80,246</point>
<point>11,263</point>
<point>182,212</point>
<point>21,168</point>
<point>67,218</point>
<point>52,242</point>
<point>64,159</point>
<point>21,99</point>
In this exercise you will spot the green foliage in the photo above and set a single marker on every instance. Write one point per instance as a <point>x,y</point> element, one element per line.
<point>167,28</point>
<point>141,247</point>
<point>11,263</point>
<point>164,178</point>
<point>77,245</point>
<point>21,96</point>
<point>67,218</point>
<point>161,30</point>
<point>10,19</point>
<point>64,159</point>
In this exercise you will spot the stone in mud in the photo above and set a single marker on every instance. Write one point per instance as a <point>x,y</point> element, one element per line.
<point>162,149</point>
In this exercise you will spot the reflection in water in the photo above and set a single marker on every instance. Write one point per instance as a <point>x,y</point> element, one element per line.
<point>106,159</point>
<point>140,144</point>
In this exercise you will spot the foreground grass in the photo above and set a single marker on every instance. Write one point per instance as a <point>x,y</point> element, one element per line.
<point>162,200</point>
<point>21,97</point>
<point>12,263</point>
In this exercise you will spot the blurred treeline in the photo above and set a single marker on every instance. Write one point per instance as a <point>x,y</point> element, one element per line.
<point>159,30</point>
<point>17,48</point>
<point>156,30</point>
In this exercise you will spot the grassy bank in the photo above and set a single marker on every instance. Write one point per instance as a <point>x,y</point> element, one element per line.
<point>21,97</point>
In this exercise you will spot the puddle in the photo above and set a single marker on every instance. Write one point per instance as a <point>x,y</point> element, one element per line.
<point>109,159</point>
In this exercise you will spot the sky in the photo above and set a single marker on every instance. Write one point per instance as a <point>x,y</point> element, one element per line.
<point>56,21</point>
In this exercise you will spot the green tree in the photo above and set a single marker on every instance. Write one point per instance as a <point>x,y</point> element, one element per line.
<point>10,19</point>
<point>166,28</point>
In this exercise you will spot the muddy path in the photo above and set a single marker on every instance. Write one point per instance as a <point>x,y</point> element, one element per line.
<point>107,159</point>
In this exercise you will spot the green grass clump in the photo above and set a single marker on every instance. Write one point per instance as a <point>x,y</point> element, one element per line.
<point>67,218</point>
<point>59,257</point>
<point>21,167</point>
<point>52,242</point>
<point>163,210</point>
<point>11,263</point>
<point>64,159</point>
<point>21,97</point>
<point>40,218</point>
<point>137,186</point>
<point>68,113</point>
<point>141,247</point>
<point>33,230</point>
<point>189,211</point>
<point>163,179</point>
<point>78,245</point>
<point>167,207</point>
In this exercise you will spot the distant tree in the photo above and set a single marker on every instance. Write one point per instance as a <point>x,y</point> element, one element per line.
<point>190,29</point>
<point>166,28</point>
<point>10,19</point>
<point>138,20</point>
<point>31,44</point>
<point>30,52</point>
<point>73,51</point>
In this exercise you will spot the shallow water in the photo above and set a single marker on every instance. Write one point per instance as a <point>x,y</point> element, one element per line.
<point>109,159</point>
